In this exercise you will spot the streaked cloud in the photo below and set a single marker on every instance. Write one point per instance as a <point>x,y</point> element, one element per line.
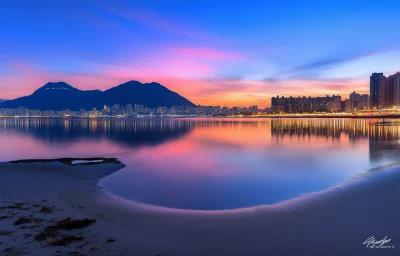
<point>315,67</point>
<point>133,13</point>
<point>211,54</point>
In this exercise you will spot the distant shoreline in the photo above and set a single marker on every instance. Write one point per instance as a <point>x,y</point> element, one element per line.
<point>330,116</point>
<point>205,117</point>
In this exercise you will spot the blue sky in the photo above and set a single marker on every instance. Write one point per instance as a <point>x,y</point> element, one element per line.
<point>212,52</point>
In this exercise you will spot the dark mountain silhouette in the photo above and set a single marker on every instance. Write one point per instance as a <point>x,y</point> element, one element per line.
<point>1,101</point>
<point>61,96</point>
<point>150,95</point>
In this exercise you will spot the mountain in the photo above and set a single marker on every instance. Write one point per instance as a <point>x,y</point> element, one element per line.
<point>150,95</point>
<point>1,101</point>
<point>61,96</point>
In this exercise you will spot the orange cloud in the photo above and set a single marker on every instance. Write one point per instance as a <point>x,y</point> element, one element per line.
<point>180,74</point>
<point>204,92</point>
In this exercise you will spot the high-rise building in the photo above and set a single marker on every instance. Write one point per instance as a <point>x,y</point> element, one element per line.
<point>349,105</point>
<point>129,109</point>
<point>357,101</point>
<point>116,109</point>
<point>106,109</point>
<point>355,96</point>
<point>306,104</point>
<point>139,109</point>
<point>390,91</point>
<point>336,101</point>
<point>378,90</point>
<point>353,101</point>
<point>383,93</point>
<point>364,102</point>
<point>394,84</point>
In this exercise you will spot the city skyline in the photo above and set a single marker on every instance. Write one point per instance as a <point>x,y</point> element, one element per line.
<point>207,128</point>
<point>265,49</point>
<point>390,87</point>
<point>384,93</point>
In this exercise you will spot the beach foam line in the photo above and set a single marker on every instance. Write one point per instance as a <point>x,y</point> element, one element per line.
<point>85,161</point>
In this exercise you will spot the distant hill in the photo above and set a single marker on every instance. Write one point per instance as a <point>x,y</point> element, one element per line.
<point>61,96</point>
<point>1,101</point>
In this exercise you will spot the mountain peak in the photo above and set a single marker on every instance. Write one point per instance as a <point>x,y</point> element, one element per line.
<point>155,83</point>
<point>61,96</point>
<point>131,83</point>
<point>57,85</point>
<point>137,83</point>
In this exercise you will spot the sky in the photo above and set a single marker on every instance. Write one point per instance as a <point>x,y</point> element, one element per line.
<point>227,53</point>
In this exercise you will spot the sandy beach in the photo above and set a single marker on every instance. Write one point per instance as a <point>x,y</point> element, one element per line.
<point>39,197</point>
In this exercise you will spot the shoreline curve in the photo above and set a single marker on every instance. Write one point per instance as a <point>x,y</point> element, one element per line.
<point>331,222</point>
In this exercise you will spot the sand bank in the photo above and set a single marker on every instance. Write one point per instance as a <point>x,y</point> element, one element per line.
<point>332,222</point>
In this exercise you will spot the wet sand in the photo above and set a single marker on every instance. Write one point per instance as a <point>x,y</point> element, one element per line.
<point>332,222</point>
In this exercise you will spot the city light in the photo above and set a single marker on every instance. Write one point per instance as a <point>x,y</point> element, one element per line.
<point>384,102</point>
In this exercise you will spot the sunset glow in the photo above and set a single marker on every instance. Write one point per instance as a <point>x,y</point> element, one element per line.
<point>266,49</point>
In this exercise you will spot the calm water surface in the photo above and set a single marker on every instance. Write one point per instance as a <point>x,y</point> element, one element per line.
<point>211,164</point>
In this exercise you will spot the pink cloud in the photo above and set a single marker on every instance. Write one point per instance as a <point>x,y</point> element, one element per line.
<point>18,66</point>
<point>223,93</point>
<point>163,67</point>
<point>159,62</point>
<point>178,73</point>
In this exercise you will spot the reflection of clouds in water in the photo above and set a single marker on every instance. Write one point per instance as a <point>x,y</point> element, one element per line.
<point>187,161</point>
<point>220,143</point>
